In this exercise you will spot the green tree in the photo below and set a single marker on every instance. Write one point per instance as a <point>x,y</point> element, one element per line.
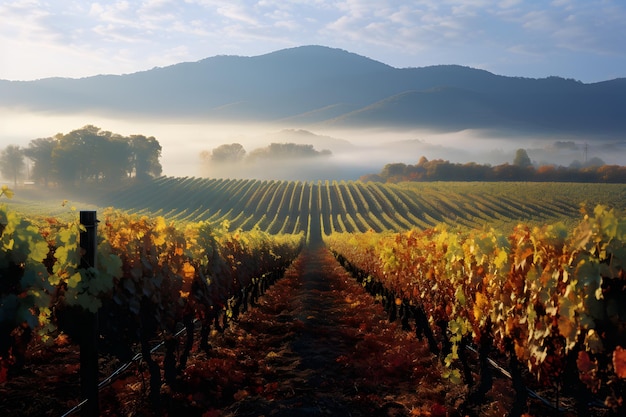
<point>397,169</point>
<point>234,152</point>
<point>521,158</point>
<point>39,151</point>
<point>114,158</point>
<point>145,154</point>
<point>12,163</point>
<point>90,154</point>
<point>73,158</point>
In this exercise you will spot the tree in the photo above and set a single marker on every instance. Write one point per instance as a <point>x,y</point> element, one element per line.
<point>96,155</point>
<point>234,152</point>
<point>39,151</point>
<point>397,169</point>
<point>145,154</point>
<point>108,154</point>
<point>594,162</point>
<point>114,159</point>
<point>73,157</point>
<point>277,151</point>
<point>12,163</point>
<point>521,159</point>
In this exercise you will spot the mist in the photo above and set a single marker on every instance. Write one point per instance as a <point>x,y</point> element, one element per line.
<point>355,152</point>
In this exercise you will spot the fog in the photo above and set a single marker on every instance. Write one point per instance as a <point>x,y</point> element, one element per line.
<point>355,152</point>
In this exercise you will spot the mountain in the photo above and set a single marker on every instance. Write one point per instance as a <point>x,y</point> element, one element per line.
<point>313,85</point>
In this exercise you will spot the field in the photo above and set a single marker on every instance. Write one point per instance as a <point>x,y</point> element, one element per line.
<point>424,251</point>
<point>340,206</point>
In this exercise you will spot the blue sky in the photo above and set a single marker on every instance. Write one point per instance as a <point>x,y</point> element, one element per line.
<point>580,39</point>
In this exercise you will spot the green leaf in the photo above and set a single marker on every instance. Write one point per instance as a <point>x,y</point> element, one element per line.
<point>111,264</point>
<point>453,375</point>
<point>39,251</point>
<point>74,280</point>
<point>460,296</point>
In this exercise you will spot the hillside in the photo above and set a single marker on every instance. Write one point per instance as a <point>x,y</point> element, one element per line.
<point>320,86</point>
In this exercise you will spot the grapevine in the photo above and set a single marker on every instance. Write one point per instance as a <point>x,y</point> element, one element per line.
<point>151,277</point>
<point>550,297</point>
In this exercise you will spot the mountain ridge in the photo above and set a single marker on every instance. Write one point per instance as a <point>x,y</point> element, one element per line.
<point>316,85</point>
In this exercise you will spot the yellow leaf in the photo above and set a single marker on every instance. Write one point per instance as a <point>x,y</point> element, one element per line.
<point>501,259</point>
<point>160,224</point>
<point>6,191</point>
<point>479,305</point>
<point>188,270</point>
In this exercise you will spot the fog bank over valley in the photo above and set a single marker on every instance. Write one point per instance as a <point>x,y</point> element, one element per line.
<point>350,152</point>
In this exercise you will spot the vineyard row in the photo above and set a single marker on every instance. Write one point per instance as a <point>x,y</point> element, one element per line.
<point>354,206</point>
<point>550,299</point>
<point>148,278</point>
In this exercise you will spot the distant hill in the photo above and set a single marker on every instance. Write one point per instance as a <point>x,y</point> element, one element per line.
<point>315,85</point>
<point>304,137</point>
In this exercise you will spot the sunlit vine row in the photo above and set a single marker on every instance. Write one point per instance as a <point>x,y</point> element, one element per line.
<point>151,277</point>
<point>551,297</point>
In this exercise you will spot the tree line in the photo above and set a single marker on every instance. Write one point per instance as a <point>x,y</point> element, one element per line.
<point>235,152</point>
<point>85,155</point>
<point>520,170</point>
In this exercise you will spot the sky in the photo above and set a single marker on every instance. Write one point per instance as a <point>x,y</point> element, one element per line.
<point>579,39</point>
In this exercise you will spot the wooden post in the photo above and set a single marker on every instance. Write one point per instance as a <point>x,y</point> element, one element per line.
<point>89,334</point>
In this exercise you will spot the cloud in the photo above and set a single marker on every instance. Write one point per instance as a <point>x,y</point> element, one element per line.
<point>105,34</point>
<point>238,13</point>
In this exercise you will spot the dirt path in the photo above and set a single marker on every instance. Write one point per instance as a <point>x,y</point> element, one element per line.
<point>319,346</point>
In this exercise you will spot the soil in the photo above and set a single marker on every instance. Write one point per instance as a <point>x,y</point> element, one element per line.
<point>315,345</point>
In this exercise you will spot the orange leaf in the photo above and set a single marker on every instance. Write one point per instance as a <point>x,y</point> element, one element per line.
<point>584,362</point>
<point>619,361</point>
<point>188,270</point>
<point>241,395</point>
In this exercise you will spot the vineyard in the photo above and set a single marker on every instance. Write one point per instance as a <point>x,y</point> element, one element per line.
<point>354,206</point>
<point>523,278</point>
<point>548,300</point>
<point>147,279</point>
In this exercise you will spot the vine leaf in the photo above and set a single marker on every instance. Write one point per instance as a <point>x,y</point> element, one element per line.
<point>6,191</point>
<point>74,280</point>
<point>587,371</point>
<point>619,361</point>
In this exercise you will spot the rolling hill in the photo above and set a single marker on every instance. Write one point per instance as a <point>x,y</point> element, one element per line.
<point>314,85</point>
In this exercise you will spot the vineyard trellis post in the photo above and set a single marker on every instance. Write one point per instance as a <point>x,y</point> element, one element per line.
<point>89,321</point>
